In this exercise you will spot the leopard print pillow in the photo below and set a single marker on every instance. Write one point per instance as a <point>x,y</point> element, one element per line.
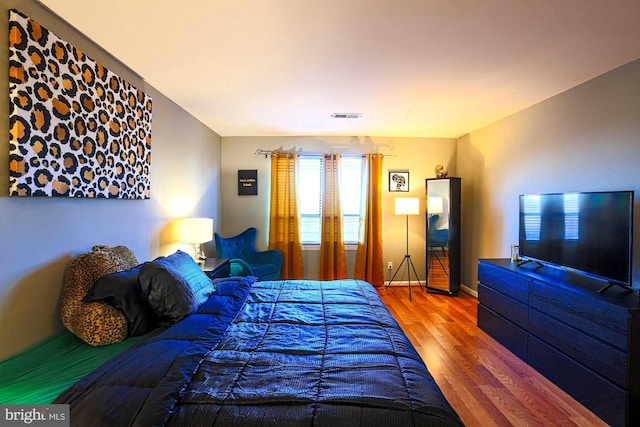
<point>96,323</point>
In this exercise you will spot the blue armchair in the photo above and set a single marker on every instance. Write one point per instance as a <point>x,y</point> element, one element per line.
<point>245,260</point>
<point>437,238</point>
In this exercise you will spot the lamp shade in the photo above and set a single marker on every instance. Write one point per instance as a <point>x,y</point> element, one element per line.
<point>407,206</point>
<point>196,230</point>
<point>435,205</point>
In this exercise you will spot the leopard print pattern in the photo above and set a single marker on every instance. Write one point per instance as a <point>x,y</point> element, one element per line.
<point>76,129</point>
<point>96,323</point>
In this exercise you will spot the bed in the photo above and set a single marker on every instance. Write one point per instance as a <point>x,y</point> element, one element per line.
<point>268,353</point>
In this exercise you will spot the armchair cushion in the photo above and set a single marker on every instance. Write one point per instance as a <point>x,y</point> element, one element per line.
<point>245,259</point>
<point>266,271</point>
<point>240,267</point>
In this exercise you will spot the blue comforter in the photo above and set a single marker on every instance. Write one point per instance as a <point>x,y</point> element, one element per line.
<point>279,353</point>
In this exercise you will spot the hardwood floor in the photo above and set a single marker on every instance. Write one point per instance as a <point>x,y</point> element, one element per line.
<point>485,383</point>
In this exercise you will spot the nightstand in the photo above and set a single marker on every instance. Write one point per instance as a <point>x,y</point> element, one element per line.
<point>217,267</point>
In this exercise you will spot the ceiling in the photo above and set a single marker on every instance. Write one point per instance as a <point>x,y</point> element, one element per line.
<point>419,68</point>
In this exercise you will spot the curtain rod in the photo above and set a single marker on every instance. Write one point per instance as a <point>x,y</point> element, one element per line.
<point>267,153</point>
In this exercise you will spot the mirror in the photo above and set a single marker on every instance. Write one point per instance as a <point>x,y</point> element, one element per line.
<point>443,246</point>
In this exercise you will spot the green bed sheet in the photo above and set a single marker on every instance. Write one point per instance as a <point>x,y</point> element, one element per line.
<point>39,374</point>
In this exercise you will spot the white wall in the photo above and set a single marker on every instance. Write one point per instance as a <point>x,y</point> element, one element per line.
<point>417,155</point>
<point>585,139</point>
<point>41,235</point>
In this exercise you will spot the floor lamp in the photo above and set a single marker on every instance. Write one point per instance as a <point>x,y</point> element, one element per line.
<point>407,206</point>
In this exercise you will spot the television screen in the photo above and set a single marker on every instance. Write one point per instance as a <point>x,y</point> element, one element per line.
<point>589,232</point>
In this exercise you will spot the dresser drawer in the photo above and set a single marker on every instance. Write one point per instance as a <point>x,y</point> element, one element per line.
<point>593,317</point>
<point>600,357</point>
<point>604,398</point>
<point>508,283</point>
<point>506,307</point>
<point>503,331</point>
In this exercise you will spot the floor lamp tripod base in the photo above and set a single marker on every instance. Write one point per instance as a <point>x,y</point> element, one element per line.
<point>408,265</point>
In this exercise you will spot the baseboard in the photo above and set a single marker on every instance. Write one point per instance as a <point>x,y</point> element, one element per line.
<point>405,283</point>
<point>470,291</point>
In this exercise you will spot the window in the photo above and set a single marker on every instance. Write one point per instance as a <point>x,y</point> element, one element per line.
<point>310,188</point>
<point>350,187</point>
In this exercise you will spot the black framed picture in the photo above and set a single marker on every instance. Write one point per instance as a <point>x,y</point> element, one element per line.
<point>248,182</point>
<point>399,181</point>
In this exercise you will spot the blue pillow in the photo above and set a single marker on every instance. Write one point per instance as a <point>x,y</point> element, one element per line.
<point>227,285</point>
<point>175,286</point>
<point>122,290</point>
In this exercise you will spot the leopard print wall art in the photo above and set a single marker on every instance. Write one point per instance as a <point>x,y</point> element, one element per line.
<point>76,129</point>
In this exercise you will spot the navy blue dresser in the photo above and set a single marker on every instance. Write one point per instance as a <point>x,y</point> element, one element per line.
<point>585,342</point>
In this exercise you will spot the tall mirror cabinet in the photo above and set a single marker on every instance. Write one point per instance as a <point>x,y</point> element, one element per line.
<point>443,235</point>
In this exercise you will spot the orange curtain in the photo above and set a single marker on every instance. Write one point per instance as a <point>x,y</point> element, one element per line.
<point>332,260</point>
<point>284,226</point>
<point>369,256</point>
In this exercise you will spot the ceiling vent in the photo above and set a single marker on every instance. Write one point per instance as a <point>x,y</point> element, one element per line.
<point>346,115</point>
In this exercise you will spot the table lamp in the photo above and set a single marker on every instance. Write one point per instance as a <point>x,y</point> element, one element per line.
<point>196,231</point>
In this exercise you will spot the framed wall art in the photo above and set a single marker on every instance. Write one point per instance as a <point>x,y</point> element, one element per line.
<point>399,181</point>
<point>76,129</point>
<point>248,182</point>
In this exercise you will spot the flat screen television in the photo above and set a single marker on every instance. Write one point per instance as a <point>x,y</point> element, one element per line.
<point>591,233</point>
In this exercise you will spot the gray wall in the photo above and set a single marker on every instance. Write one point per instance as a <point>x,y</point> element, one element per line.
<point>41,235</point>
<point>585,139</point>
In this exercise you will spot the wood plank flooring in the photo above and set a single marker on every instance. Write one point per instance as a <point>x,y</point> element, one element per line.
<point>485,383</point>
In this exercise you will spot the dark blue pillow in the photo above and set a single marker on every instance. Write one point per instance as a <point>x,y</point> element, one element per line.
<point>175,286</point>
<point>122,290</point>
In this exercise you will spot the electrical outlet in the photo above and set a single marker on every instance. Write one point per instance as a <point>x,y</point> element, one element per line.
<point>390,265</point>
